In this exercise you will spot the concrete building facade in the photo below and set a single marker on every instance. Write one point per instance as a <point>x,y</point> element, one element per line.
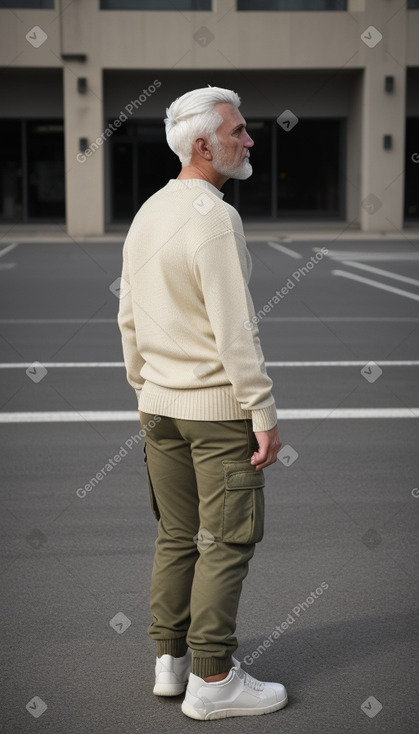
<point>330,90</point>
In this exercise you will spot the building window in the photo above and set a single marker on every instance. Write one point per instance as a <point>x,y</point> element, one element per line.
<point>30,4</point>
<point>155,4</point>
<point>11,154</point>
<point>141,163</point>
<point>32,170</point>
<point>291,4</point>
<point>411,181</point>
<point>309,167</point>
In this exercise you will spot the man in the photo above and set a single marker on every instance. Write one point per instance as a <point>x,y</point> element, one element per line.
<point>205,405</point>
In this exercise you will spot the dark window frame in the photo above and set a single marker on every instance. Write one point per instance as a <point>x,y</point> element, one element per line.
<point>27,5</point>
<point>175,6</point>
<point>261,6</point>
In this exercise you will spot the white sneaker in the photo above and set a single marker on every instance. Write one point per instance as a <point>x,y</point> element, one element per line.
<point>237,695</point>
<point>172,674</point>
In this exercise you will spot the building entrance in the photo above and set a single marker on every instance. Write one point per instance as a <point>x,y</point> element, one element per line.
<point>296,174</point>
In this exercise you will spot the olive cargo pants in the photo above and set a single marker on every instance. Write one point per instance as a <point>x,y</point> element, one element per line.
<point>209,503</point>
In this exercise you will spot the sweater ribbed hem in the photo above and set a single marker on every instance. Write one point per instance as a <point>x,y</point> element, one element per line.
<point>216,403</point>
<point>204,667</point>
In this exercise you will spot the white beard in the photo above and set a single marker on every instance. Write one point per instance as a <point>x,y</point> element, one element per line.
<point>241,172</point>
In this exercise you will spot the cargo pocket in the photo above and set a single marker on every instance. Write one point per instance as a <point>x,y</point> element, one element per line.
<point>244,505</point>
<point>153,501</point>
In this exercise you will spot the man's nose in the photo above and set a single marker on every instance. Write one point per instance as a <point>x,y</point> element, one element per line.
<point>249,143</point>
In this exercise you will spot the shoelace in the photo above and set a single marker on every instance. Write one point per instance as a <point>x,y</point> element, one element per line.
<point>249,680</point>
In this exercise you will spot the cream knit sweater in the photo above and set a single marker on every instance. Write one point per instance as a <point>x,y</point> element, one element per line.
<point>183,308</point>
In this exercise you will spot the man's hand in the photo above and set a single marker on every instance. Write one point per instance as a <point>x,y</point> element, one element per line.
<point>269,445</point>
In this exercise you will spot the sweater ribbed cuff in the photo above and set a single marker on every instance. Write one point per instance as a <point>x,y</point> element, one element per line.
<point>264,418</point>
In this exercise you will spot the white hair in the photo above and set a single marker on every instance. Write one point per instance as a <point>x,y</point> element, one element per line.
<point>192,115</point>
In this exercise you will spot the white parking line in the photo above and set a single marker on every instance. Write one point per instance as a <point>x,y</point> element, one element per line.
<point>343,319</point>
<point>379,271</point>
<point>352,363</point>
<point>358,255</point>
<point>285,250</point>
<point>95,416</point>
<point>86,321</point>
<point>376,284</point>
<point>9,248</point>
<point>96,365</point>
<point>65,365</point>
<point>303,319</point>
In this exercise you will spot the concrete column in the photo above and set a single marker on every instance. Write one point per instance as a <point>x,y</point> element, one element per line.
<point>83,118</point>
<point>383,113</point>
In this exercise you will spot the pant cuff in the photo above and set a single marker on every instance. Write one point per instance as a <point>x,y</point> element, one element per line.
<point>177,647</point>
<point>204,667</point>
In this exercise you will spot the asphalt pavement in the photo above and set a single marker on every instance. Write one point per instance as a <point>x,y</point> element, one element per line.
<point>329,607</point>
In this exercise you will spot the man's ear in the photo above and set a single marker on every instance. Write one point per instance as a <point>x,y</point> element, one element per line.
<point>202,149</point>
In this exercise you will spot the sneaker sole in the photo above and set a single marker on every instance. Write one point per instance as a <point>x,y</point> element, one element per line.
<point>226,713</point>
<point>168,689</point>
